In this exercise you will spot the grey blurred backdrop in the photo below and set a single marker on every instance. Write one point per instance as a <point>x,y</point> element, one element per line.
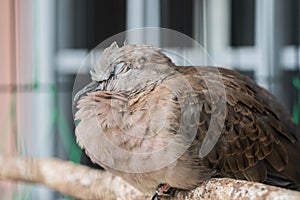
<point>43,43</point>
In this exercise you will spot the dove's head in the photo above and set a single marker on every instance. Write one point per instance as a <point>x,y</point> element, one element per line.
<point>127,68</point>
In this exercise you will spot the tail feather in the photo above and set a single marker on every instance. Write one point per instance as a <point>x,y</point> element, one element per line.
<point>292,170</point>
<point>289,177</point>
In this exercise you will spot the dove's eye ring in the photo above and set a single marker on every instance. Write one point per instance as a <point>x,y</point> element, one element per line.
<point>121,68</point>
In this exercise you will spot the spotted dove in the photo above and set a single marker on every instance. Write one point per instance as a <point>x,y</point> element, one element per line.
<point>163,127</point>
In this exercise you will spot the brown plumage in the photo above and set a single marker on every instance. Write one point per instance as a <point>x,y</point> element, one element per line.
<point>152,122</point>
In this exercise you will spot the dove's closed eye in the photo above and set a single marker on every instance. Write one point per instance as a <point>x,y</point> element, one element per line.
<point>120,68</point>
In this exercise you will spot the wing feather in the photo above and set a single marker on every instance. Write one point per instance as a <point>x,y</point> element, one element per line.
<point>255,135</point>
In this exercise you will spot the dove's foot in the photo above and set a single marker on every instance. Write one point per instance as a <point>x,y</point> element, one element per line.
<point>161,190</point>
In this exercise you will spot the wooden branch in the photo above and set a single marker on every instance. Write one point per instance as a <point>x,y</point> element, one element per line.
<point>86,183</point>
<point>66,177</point>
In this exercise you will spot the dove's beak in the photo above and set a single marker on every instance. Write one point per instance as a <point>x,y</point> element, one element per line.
<point>92,86</point>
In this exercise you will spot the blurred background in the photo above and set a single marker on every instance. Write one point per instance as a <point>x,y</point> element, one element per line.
<point>43,42</point>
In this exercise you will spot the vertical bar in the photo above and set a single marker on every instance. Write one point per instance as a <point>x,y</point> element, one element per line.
<point>135,19</point>
<point>44,34</point>
<point>218,26</point>
<point>152,14</point>
<point>269,41</point>
<point>6,38</point>
<point>44,62</point>
<point>152,19</point>
<point>65,24</point>
<point>201,26</point>
<point>6,61</point>
<point>198,21</point>
<point>262,31</point>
